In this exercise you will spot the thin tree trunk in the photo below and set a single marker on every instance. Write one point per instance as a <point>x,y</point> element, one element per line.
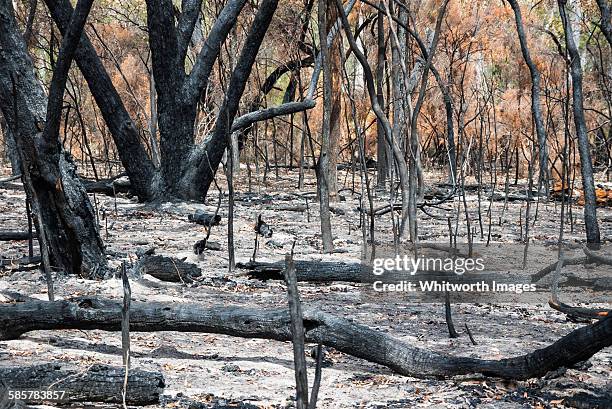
<point>382,163</point>
<point>153,121</point>
<point>323,168</point>
<point>536,109</point>
<point>586,166</point>
<point>336,102</point>
<point>380,114</point>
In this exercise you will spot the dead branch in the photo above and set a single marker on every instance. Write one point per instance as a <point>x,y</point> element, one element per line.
<point>344,335</point>
<point>168,269</point>
<point>313,271</point>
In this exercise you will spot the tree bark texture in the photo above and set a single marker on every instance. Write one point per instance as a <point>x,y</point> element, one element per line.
<point>99,383</point>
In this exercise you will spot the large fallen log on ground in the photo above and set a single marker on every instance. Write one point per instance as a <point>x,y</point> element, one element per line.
<point>99,383</point>
<point>345,335</point>
<point>313,271</point>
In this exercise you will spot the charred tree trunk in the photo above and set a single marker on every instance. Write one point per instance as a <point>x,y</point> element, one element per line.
<point>536,109</point>
<point>313,271</point>
<point>382,164</point>
<point>324,163</point>
<point>186,170</point>
<point>344,335</point>
<point>64,216</point>
<point>133,156</point>
<point>584,148</point>
<point>99,383</point>
<point>336,102</point>
<point>176,114</point>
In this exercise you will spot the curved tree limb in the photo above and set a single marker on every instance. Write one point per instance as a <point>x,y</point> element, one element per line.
<point>345,335</point>
<point>215,146</point>
<point>267,113</point>
<point>197,80</point>
<point>72,37</point>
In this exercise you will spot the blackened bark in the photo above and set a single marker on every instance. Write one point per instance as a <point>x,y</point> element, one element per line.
<point>197,81</point>
<point>55,99</point>
<point>267,113</point>
<point>215,147</point>
<point>99,383</point>
<point>584,148</point>
<point>186,171</point>
<point>334,53</point>
<point>176,117</point>
<point>344,335</point>
<point>168,269</point>
<point>323,165</point>
<point>65,218</point>
<point>382,164</point>
<point>536,109</point>
<point>190,12</point>
<point>313,271</point>
<point>132,153</point>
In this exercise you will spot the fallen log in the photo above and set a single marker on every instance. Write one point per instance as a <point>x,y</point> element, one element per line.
<point>16,235</point>
<point>109,187</point>
<point>313,271</point>
<point>99,383</point>
<point>168,269</point>
<point>569,310</point>
<point>347,336</point>
<point>580,312</point>
<point>205,219</point>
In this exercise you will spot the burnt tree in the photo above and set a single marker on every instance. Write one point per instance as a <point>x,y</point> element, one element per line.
<point>584,148</point>
<point>186,169</point>
<point>68,235</point>
<point>536,109</point>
